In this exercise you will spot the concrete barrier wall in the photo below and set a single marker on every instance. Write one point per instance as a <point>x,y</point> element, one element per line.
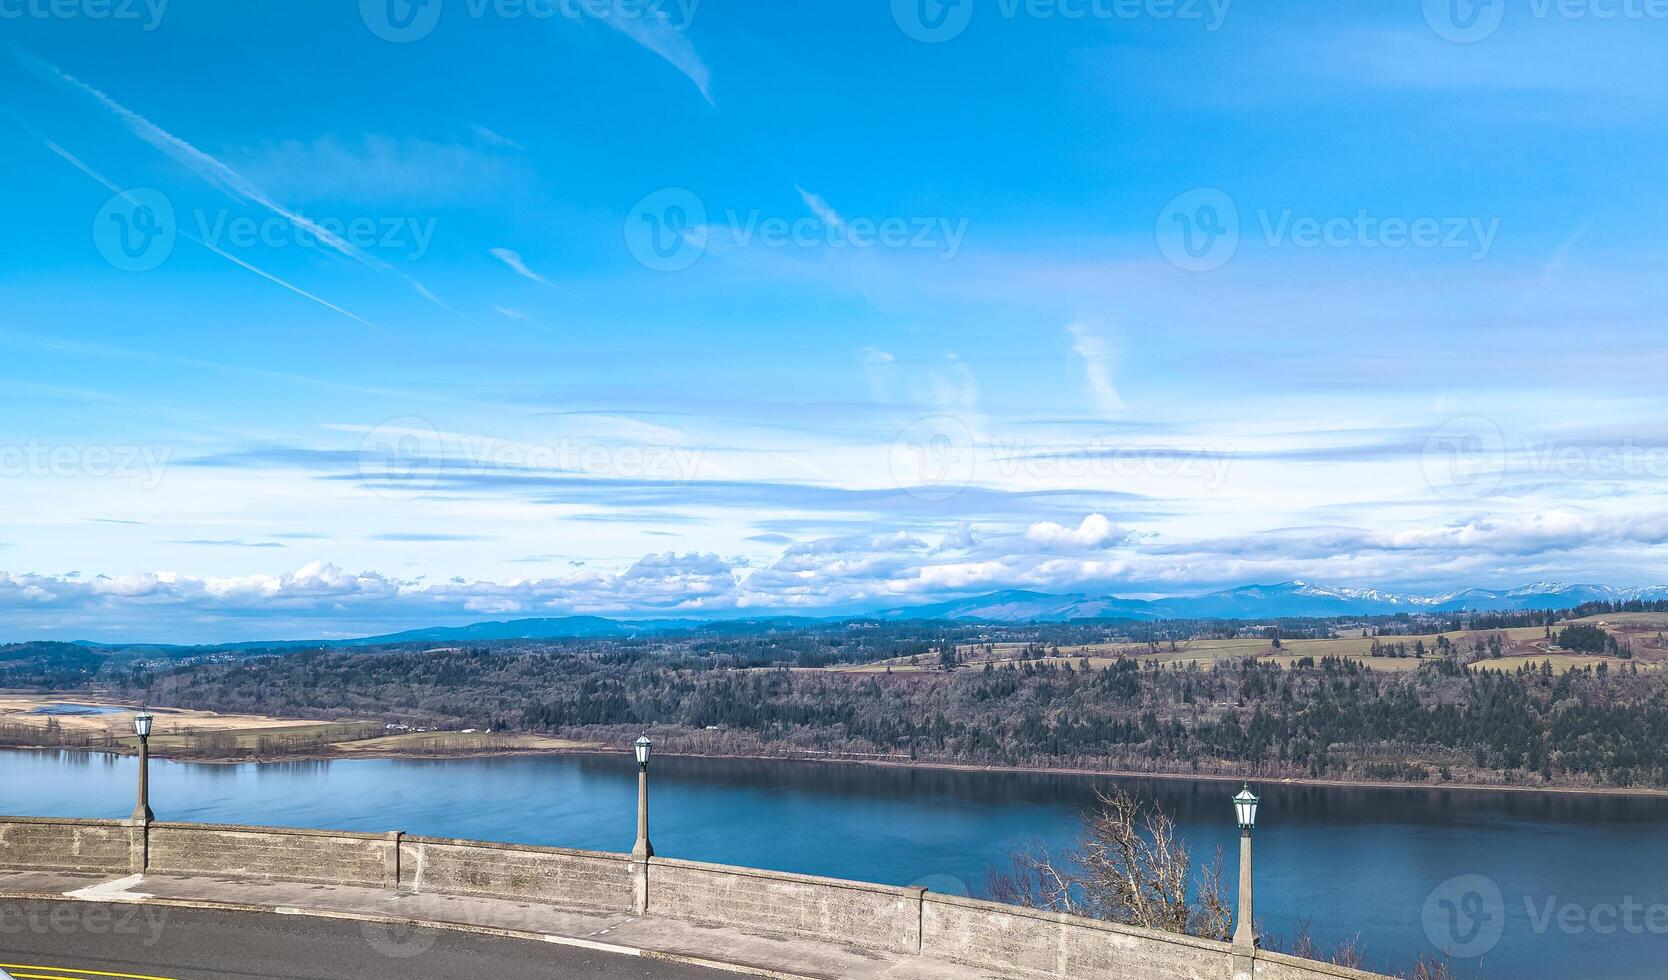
<point>553,876</point>
<point>874,916</point>
<point>1007,941</point>
<point>1279,966</point>
<point>319,856</point>
<point>46,844</point>
<point>1028,942</point>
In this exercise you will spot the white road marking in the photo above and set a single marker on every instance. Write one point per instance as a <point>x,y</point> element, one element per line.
<point>111,891</point>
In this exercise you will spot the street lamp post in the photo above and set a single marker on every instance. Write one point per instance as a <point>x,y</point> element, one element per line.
<point>1245,811</point>
<point>642,849</point>
<point>142,727</point>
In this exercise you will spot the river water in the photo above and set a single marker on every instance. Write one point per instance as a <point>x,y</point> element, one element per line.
<point>1513,885</point>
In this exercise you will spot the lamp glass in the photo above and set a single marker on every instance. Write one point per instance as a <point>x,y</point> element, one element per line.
<point>142,724</point>
<point>641,747</point>
<point>1245,808</point>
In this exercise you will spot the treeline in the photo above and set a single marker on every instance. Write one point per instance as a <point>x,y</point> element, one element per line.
<point>1328,719</point>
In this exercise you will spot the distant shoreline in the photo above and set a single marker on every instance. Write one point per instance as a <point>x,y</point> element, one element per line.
<point>1168,776</point>
<point>1073,772</point>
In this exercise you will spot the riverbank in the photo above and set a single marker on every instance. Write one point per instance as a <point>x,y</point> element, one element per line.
<point>211,738</point>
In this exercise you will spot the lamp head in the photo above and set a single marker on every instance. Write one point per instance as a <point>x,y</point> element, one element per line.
<point>1245,808</point>
<point>641,748</point>
<point>142,724</point>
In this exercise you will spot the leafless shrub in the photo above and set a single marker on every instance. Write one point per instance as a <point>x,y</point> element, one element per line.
<point>1348,953</point>
<point>1130,867</point>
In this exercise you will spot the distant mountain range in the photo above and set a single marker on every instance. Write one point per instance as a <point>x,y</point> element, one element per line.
<point>1267,602</point>
<point>1248,602</point>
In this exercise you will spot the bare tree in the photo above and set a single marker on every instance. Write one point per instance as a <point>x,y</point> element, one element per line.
<point>1346,953</point>
<point>1129,867</point>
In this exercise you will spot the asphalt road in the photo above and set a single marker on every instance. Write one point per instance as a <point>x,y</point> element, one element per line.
<point>92,941</point>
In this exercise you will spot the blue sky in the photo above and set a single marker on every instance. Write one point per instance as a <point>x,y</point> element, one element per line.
<point>325,318</point>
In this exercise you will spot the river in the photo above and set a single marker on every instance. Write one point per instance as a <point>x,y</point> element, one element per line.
<point>1517,885</point>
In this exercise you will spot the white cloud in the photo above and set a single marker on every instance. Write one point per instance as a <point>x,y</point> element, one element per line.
<point>228,180</point>
<point>961,539</point>
<point>207,167</point>
<point>1094,532</point>
<point>848,572</point>
<point>1097,356</point>
<point>513,260</point>
<point>269,277</point>
<point>820,208</point>
<point>377,168</point>
<point>667,41</point>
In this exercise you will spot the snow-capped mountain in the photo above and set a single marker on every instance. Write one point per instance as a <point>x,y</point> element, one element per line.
<point>1296,598</point>
<point>1250,602</point>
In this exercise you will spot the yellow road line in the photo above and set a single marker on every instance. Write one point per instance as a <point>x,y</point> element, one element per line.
<point>70,969</point>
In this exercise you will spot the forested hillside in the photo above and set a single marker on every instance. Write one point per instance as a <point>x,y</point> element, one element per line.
<point>1332,718</point>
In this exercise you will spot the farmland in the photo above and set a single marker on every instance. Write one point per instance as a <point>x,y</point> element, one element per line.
<point>1511,648</point>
